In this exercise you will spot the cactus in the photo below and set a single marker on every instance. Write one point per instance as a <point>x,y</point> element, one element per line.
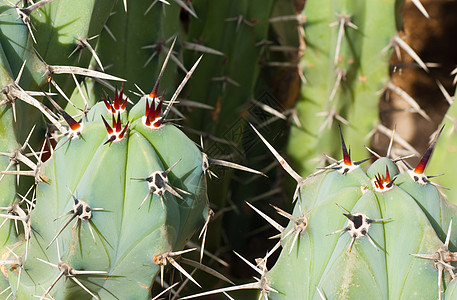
<point>130,200</point>
<point>126,48</point>
<point>346,63</point>
<point>106,159</point>
<point>238,31</point>
<point>241,28</point>
<point>353,233</point>
<point>24,41</point>
<point>373,259</point>
<point>445,151</point>
<point>114,203</point>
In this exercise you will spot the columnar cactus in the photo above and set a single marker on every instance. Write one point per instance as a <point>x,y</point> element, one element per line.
<point>346,64</point>
<point>390,218</point>
<point>355,234</point>
<point>92,212</point>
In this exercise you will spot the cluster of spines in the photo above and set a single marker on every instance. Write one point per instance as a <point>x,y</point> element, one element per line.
<point>442,260</point>
<point>115,133</point>
<point>358,226</point>
<point>383,183</point>
<point>118,105</point>
<point>153,114</point>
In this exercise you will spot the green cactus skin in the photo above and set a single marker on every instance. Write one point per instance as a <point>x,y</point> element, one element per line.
<point>127,236</point>
<point>8,183</point>
<point>9,145</point>
<point>451,291</point>
<point>366,65</point>
<point>235,29</point>
<point>324,260</point>
<point>7,136</point>
<point>133,31</point>
<point>445,155</point>
<point>56,39</point>
<point>438,210</point>
<point>58,27</point>
<point>17,44</point>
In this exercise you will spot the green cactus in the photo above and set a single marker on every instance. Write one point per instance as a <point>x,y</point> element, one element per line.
<point>171,202</point>
<point>345,64</point>
<point>118,198</point>
<point>394,235</point>
<point>37,64</point>
<point>7,136</point>
<point>445,155</point>
<point>122,223</point>
<point>165,215</point>
<point>233,28</point>
<point>130,49</point>
<point>385,269</point>
<point>415,219</point>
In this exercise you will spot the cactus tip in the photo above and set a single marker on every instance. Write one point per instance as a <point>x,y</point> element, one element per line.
<point>155,90</point>
<point>75,127</point>
<point>118,102</point>
<point>108,128</point>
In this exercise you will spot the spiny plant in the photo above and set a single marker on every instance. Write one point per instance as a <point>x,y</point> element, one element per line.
<point>372,259</point>
<point>132,203</point>
<point>132,192</point>
<point>130,185</point>
<point>346,65</point>
<point>239,31</point>
<point>379,233</point>
<point>445,151</point>
<point>377,258</point>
